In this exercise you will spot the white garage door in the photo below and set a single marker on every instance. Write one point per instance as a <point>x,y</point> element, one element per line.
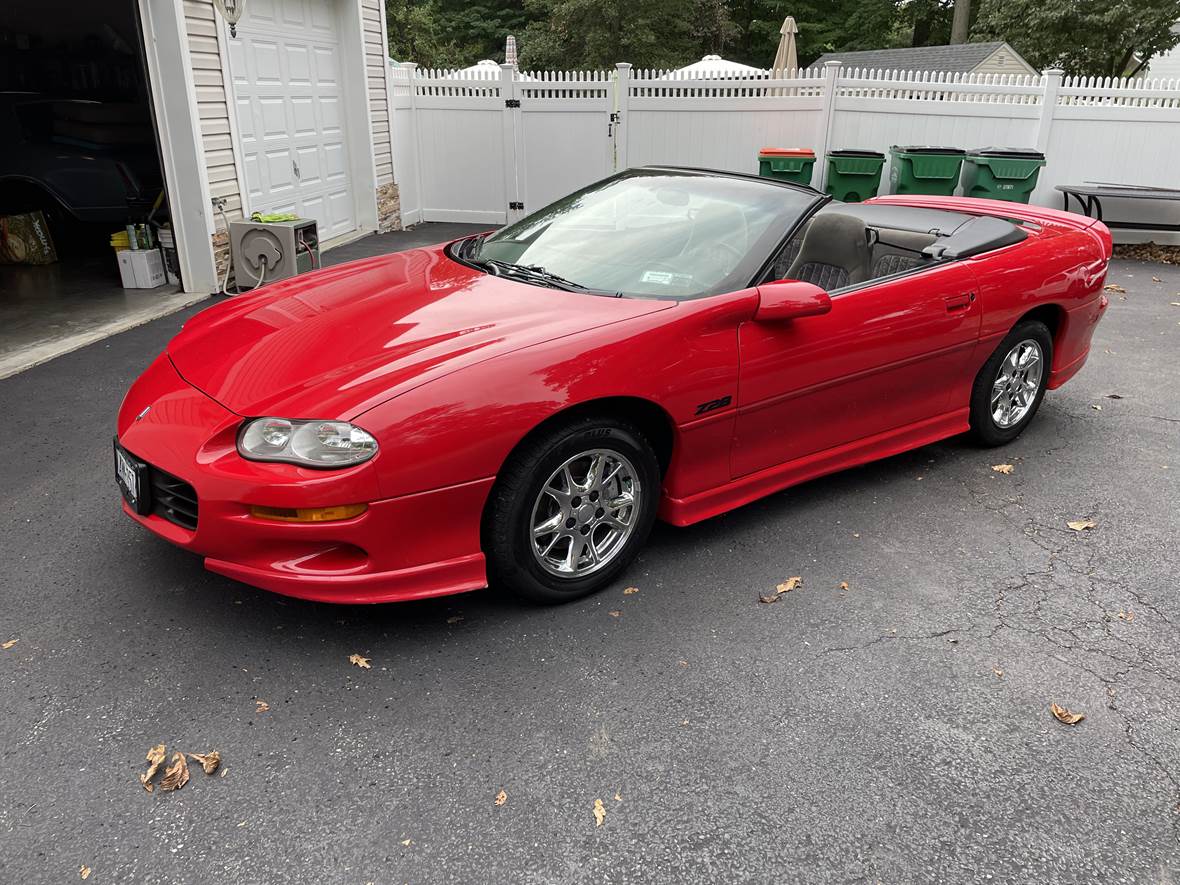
<point>288,87</point>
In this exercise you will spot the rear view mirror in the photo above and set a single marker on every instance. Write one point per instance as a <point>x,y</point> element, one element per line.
<point>789,300</point>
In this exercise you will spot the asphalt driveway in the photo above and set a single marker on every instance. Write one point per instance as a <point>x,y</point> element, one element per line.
<point>896,730</point>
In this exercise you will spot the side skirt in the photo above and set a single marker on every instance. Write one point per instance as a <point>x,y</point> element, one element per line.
<point>744,489</point>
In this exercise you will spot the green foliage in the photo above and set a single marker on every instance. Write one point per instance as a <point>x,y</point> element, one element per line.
<point>1098,37</point>
<point>1085,37</point>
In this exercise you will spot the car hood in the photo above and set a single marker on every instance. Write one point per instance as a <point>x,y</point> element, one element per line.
<point>336,342</point>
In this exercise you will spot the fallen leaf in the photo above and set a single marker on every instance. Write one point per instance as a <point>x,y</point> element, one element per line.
<point>1003,468</point>
<point>1066,716</point>
<point>9,644</point>
<point>630,590</point>
<point>84,871</point>
<point>176,774</point>
<point>683,663</point>
<point>599,812</point>
<point>789,584</point>
<point>999,673</point>
<point>361,662</point>
<point>208,761</point>
<point>614,613</point>
<point>454,619</point>
<point>1126,616</point>
<point>407,842</point>
<point>1081,525</point>
<point>1111,287</point>
<point>263,706</point>
<point>1174,303</point>
<point>1096,408</point>
<point>224,771</point>
<point>1114,396</point>
<point>843,585</point>
<point>774,597</point>
<point>155,756</point>
<point>501,798</point>
<point>1156,280</point>
<point>618,796</point>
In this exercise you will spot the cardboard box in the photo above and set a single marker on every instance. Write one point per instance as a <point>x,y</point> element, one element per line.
<point>141,268</point>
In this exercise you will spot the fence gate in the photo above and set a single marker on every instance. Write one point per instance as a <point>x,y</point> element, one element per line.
<point>563,131</point>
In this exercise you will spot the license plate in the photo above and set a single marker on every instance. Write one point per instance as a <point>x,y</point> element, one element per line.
<point>129,474</point>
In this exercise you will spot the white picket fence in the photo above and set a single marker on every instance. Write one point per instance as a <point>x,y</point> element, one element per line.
<point>489,146</point>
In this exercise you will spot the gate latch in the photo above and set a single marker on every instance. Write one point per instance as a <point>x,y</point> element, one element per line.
<point>616,119</point>
<point>512,102</point>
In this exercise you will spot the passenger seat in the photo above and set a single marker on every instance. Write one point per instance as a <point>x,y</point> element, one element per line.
<point>834,254</point>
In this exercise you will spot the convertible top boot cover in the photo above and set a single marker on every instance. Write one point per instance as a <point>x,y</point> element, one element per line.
<point>834,254</point>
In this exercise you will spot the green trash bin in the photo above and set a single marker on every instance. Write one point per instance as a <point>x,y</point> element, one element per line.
<point>786,164</point>
<point>922,169</point>
<point>1002,173</point>
<point>854,175</point>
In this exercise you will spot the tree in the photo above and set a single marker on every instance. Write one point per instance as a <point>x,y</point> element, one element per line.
<point>598,33</point>
<point>1103,38</point>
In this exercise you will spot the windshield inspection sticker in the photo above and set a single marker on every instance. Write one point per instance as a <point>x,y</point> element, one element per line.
<point>666,278</point>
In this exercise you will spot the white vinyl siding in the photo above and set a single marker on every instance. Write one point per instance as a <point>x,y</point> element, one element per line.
<point>212,108</point>
<point>376,68</point>
<point>1004,60</point>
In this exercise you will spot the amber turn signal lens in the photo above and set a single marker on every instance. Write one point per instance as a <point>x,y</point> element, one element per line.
<point>309,514</point>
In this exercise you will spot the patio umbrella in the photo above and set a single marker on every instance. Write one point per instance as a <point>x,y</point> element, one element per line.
<point>786,58</point>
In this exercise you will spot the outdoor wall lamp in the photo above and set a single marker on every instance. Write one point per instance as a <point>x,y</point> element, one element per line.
<point>231,11</point>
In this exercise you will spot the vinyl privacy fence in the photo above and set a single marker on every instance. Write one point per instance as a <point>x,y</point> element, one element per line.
<point>488,146</point>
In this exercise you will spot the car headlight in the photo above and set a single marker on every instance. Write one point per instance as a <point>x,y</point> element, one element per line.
<point>307,443</point>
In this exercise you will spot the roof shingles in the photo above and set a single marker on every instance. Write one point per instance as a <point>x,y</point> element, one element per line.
<point>960,57</point>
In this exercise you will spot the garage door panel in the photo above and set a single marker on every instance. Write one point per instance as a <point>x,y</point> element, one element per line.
<point>308,161</point>
<point>327,67</point>
<point>298,66</point>
<point>303,117</point>
<point>287,87</point>
<point>340,210</point>
<point>335,162</point>
<point>330,121</point>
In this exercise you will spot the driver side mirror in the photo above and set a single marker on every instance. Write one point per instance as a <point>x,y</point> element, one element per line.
<point>790,299</point>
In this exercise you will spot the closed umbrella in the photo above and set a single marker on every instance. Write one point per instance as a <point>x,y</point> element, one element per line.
<point>787,58</point>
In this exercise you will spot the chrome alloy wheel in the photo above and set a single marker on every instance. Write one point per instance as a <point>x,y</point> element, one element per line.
<point>1015,388</point>
<point>585,513</point>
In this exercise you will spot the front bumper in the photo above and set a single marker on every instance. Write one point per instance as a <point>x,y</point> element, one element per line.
<point>425,544</point>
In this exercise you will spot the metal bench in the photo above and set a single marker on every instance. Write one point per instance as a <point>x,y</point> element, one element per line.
<point>1091,194</point>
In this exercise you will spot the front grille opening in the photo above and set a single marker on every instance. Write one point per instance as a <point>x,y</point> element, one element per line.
<point>173,499</point>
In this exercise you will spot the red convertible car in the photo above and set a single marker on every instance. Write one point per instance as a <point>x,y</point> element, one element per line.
<point>519,407</point>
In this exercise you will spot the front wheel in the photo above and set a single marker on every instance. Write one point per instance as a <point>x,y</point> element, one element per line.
<point>1009,388</point>
<point>571,509</point>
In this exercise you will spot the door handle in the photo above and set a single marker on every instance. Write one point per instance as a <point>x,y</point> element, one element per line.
<point>959,303</point>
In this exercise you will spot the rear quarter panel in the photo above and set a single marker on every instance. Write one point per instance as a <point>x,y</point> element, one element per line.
<point>1060,268</point>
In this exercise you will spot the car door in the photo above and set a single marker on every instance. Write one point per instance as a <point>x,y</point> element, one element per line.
<point>884,357</point>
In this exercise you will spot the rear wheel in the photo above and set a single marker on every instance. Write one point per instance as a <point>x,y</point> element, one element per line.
<point>571,509</point>
<point>1009,388</point>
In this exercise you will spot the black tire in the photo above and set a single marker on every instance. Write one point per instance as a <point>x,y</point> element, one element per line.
<point>507,535</point>
<point>984,428</point>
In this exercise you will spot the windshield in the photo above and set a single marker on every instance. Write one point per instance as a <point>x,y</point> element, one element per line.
<point>653,232</point>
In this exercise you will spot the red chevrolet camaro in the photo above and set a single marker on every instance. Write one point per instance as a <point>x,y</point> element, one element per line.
<point>519,407</point>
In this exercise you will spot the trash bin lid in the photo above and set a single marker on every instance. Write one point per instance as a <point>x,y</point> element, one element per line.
<point>927,149</point>
<point>856,152</point>
<point>1011,153</point>
<point>786,152</point>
